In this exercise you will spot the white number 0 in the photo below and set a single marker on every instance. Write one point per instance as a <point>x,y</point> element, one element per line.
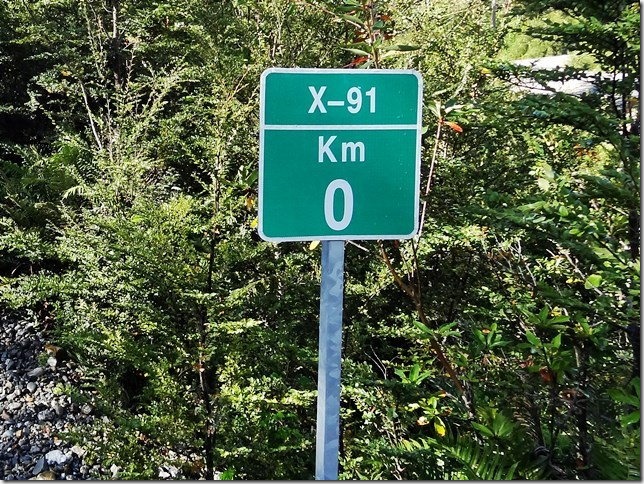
<point>329,197</point>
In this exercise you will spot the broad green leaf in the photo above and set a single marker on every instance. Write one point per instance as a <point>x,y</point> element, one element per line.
<point>631,418</point>
<point>531,207</point>
<point>559,319</point>
<point>532,338</point>
<point>413,373</point>
<point>435,108</point>
<point>593,281</point>
<point>422,327</point>
<point>351,18</point>
<point>603,253</point>
<point>502,425</point>
<point>446,329</point>
<point>483,429</point>
<point>227,475</point>
<point>620,395</point>
<point>480,336</point>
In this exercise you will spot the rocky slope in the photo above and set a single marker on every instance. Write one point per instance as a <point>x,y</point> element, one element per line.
<point>36,409</point>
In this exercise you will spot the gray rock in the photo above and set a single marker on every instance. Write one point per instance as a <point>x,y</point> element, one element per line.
<point>9,364</point>
<point>163,474</point>
<point>31,386</point>
<point>79,451</point>
<point>36,372</point>
<point>51,361</point>
<point>39,466</point>
<point>58,408</point>
<point>44,415</point>
<point>114,469</point>
<point>55,457</point>
<point>86,409</point>
<point>7,434</point>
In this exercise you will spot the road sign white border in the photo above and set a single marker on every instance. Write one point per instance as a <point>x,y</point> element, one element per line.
<point>263,127</point>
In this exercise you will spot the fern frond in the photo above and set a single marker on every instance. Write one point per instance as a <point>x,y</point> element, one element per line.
<point>469,458</point>
<point>482,463</point>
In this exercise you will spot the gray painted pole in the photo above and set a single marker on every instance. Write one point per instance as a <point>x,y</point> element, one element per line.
<point>327,438</point>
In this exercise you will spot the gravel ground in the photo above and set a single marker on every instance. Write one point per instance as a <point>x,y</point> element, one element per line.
<point>34,412</point>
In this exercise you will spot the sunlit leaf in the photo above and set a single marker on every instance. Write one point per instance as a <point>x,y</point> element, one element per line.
<point>439,427</point>
<point>543,184</point>
<point>435,108</point>
<point>356,51</point>
<point>593,281</point>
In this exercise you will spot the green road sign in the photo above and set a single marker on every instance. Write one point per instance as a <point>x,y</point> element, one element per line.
<point>339,154</point>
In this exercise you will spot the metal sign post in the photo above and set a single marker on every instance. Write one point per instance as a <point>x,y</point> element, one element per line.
<point>327,439</point>
<point>339,159</point>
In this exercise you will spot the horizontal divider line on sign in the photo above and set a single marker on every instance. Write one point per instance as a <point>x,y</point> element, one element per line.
<point>343,127</point>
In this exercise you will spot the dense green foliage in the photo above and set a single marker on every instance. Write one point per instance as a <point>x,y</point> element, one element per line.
<point>502,342</point>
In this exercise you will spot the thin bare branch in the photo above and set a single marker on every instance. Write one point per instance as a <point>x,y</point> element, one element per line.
<point>90,116</point>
